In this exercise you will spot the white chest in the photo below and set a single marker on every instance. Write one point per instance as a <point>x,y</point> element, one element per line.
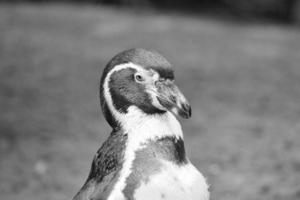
<point>176,183</point>
<point>172,181</point>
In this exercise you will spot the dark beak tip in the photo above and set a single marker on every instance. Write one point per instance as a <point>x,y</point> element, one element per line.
<point>186,111</point>
<point>190,111</point>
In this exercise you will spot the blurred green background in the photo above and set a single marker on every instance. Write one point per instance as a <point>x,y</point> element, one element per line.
<point>242,78</point>
<point>287,11</point>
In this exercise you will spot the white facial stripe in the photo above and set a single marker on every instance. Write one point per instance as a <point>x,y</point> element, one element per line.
<point>140,127</point>
<point>117,115</point>
<point>155,76</point>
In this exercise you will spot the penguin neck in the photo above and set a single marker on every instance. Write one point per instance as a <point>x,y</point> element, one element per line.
<point>141,127</point>
<point>143,130</point>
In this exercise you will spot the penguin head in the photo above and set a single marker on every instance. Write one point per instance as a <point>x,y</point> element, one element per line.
<point>142,79</point>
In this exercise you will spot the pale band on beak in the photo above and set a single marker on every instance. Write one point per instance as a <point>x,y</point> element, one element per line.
<point>170,97</point>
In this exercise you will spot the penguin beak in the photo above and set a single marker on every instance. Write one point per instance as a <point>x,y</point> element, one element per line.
<point>170,97</point>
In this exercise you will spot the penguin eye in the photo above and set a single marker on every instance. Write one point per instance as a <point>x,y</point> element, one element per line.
<point>139,78</point>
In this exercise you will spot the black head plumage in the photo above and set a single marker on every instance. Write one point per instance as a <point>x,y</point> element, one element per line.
<point>124,96</point>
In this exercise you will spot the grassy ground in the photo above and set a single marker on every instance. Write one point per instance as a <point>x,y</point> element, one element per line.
<point>243,81</point>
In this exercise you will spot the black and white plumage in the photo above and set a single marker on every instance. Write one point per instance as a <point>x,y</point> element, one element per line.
<point>144,156</point>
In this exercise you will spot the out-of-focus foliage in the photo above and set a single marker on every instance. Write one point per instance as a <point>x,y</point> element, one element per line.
<point>287,10</point>
<point>284,9</point>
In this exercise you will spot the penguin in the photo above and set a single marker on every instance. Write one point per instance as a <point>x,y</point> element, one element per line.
<point>144,156</point>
